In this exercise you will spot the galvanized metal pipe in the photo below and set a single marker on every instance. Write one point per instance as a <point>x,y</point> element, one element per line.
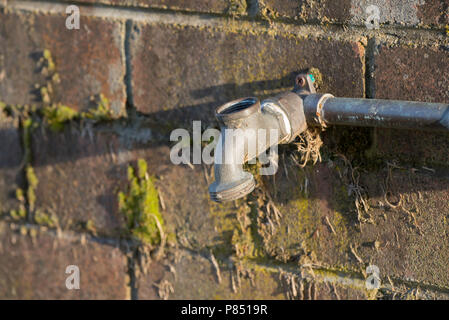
<point>324,109</point>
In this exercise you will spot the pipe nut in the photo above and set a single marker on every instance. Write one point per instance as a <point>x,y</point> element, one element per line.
<point>221,192</point>
<point>292,107</point>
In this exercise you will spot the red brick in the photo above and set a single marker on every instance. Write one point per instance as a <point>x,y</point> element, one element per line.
<point>213,6</point>
<point>323,227</point>
<point>419,74</point>
<point>193,276</point>
<point>11,157</point>
<point>196,278</point>
<point>406,73</point>
<point>80,177</point>
<point>184,73</point>
<point>33,265</point>
<point>434,12</point>
<point>89,61</point>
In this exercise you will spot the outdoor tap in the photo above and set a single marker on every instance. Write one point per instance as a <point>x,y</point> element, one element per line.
<point>249,128</point>
<point>289,114</point>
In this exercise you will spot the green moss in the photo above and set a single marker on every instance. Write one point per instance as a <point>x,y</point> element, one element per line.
<point>140,205</point>
<point>45,95</point>
<point>28,125</point>
<point>32,185</point>
<point>19,195</point>
<point>20,213</point>
<point>49,60</point>
<point>44,219</point>
<point>237,7</point>
<point>90,226</point>
<point>56,115</point>
<point>101,113</point>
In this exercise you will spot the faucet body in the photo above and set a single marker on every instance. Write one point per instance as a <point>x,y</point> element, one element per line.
<point>249,128</point>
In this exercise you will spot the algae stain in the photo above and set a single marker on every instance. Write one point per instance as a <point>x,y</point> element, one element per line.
<point>140,205</point>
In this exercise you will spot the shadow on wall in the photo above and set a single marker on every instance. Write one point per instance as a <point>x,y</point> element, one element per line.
<point>218,95</point>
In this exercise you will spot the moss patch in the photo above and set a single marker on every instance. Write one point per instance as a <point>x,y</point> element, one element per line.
<point>140,205</point>
<point>237,7</point>
<point>45,219</point>
<point>101,112</point>
<point>32,185</point>
<point>20,213</point>
<point>56,115</point>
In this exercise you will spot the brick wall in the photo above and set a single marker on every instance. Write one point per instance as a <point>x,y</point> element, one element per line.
<point>80,107</point>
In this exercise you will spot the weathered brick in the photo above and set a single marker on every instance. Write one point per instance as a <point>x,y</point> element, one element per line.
<point>410,12</point>
<point>193,276</point>
<point>180,74</point>
<point>212,6</point>
<point>196,278</point>
<point>322,225</point>
<point>80,177</point>
<point>11,157</point>
<point>414,237</point>
<point>411,146</point>
<point>420,74</point>
<point>334,291</point>
<point>434,12</point>
<point>33,265</point>
<point>408,73</point>
<point>319,10</point>
<point>89,61</point>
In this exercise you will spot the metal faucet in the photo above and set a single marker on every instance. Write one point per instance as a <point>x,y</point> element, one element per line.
<point>289,114</point>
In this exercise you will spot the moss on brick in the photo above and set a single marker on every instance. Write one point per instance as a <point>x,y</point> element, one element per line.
<point>237,7</point>
<point>45,219</point>
<point>32,185</point>
<point>56,115</point>
<point>102,112</point>
<point>140,205</point>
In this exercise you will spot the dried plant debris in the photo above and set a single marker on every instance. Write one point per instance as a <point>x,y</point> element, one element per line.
<point>165,288</point>
<point>309,146</point>
<point>352,176</point>
<point>402,199</point>
<point>298,287</point>
<point>216,266</point>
